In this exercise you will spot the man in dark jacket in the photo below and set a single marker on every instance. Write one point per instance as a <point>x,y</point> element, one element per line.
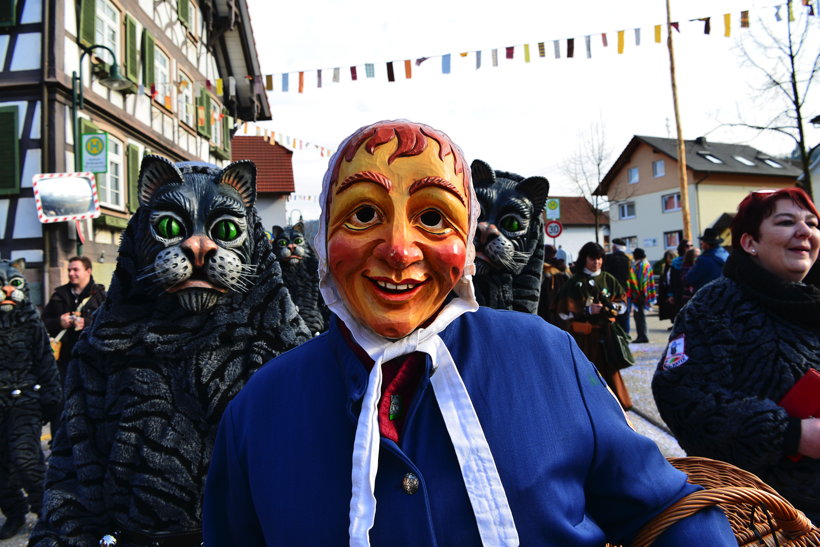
<point>61,312</point>
<point>709,265</point>
<point>618,264</point>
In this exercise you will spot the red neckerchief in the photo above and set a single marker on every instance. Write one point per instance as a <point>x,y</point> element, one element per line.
<point>400,380</point>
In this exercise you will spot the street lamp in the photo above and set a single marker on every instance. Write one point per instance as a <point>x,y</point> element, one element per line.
<point>113,81</point>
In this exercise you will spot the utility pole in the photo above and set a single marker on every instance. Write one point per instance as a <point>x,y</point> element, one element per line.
<point>684,186</point>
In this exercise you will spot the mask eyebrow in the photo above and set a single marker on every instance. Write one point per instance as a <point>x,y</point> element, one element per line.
<point>439,182</point>
<point>364,176</point>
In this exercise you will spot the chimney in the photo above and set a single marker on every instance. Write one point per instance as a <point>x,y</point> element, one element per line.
<point>701,141</point>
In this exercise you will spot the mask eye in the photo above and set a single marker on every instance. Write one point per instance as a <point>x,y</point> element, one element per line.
<point>432,221</point>
<point>511,223</point>
<point>282,242</point>
<point>363,218</point>
<point>298,241</point>
<point>168,227</point>
<point>17,282</point>
<point>226,230</point>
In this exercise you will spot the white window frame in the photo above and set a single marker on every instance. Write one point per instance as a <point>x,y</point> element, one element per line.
<point>111,185</point>
<point>771,163</point>
<point>107,25</point>
<point>658,168</point>
<point>216,123</point>
<point>624,208</point>
<point>745,161</point>
<point>193,15</point>
<point>629,172</point>
<point>676,198</point>
<point>185,101</point>
<point>631,242</point>
<point>162,76</point>
<point>671,240</point>
<point>711,157</point>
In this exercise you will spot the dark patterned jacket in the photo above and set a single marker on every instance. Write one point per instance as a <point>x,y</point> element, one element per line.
<point>747,338</point>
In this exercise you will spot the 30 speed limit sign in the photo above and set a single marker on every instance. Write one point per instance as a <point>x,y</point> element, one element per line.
<point>554,228</point>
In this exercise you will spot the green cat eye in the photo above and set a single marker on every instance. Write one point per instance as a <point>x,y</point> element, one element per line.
<point>282,242</point>
<point>298,241</point>
<point>169,227</point>
<point>226,230</point>
<point>17,282</point>
<point>511,224</point>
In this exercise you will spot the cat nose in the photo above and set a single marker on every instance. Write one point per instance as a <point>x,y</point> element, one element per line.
<point>8,289</point>
<point>487,232</point>
<point>198,248</point>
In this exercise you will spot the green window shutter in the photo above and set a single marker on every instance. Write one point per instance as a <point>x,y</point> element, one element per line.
<point>131,54</point>
<point>147,59</point>
<point>9,151</point>
<point>8,12</point>
<point>184,13</point>
<point>226,133</point>
<point>88,14</point>
<point>204,101</point>
<point>133,158</point>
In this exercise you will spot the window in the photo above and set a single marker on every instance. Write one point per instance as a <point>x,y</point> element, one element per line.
<point>8,13</point>
<point>626,210</point>
<point>216,124</point>
<point>744,161</point>
<point>771,163</point>
<point>192,17</point>
<point>632,175</point>
<point>9,151</point>
<point>106,30</point>
<point>670,202</point>
<point>710,157</point>
<point>671,240</point>
<point>658,169</point>
<point>631,242</point>
<point>185,100</point>
<point>162,77</point>
<point>110,185</point>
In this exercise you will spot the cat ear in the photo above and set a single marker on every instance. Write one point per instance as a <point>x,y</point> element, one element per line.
<point>277,231</point>
<point>241,175</point>
<point>536,189</point>
<point>299,227</point>
<point>19,264</point>
<point>154,172</point>
<point>483,174</point>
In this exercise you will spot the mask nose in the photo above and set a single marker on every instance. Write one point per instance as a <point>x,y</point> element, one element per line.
<point>400,250</point>
<point>198,249</point>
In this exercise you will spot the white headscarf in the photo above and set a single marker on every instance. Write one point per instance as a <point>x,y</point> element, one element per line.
<point>487,496</point>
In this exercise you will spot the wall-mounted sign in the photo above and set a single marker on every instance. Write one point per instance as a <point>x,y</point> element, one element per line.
<point>95,152</point>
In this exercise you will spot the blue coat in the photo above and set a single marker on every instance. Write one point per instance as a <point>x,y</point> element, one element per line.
<point>574,472</point>
<point>708,267</point>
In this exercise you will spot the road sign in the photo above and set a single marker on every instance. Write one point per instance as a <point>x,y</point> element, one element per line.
<point>553,208</point>
<point>554,228</point>
<point>95,152</point>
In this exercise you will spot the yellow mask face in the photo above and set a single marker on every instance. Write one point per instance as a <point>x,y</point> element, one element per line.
<point>397,236</point>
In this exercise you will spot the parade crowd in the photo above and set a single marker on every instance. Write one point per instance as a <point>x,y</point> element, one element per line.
<point>428,396</point>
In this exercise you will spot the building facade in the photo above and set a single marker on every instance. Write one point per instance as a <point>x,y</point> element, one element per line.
<point>644,190</point>
<point>274,176</point>
<point>578,225</point>
<point>186,74</point>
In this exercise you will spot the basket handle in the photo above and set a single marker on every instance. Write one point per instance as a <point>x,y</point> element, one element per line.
<point>792,522</point>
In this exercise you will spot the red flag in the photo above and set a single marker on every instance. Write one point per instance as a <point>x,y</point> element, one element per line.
<point>353,73</point>
<point>510,52</point>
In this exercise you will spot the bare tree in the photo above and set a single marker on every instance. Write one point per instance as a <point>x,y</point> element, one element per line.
<point>787,55</point>
<point>587,166</point>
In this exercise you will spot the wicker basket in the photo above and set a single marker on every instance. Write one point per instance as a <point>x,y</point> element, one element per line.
<point>757,513</point>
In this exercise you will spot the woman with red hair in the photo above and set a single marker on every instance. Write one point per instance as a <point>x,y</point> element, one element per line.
<point>743,342</point>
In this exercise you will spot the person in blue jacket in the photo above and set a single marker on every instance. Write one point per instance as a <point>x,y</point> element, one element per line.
<point>709,265</point>
<point>420,418</point>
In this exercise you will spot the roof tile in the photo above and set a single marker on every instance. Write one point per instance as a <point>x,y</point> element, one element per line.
<point>274,163</point>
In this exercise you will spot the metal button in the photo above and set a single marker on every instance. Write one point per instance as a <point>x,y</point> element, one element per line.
<point>410,483</point>
<point>16,393</point>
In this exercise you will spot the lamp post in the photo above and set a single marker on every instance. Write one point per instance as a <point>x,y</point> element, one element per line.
<point>113,81</point>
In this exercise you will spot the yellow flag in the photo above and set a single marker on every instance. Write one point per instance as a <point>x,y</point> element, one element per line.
<point>219,86</point>
<point>620,42</point>
<point>658,34</point>
<point>727,24</point>
<point>526,53</point>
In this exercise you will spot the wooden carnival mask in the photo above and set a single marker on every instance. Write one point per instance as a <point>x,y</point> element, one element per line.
<point>398,225</point>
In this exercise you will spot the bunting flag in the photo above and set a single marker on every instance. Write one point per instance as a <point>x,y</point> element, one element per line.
<point>791,11</point>
<point>369,70</point>
<point>777,16</point>
<point>231,86</point>
<point>744,19</point>
<point>336,75</point>
<point>588,43</point>
<point>542,50</point>
<point>275,137</point>
<point>657,34</point>
<point>620,42</point>
<point>200,116</point>
<point>390,75</point>
<point>219,86</point>
<point>727,25</point>
<point>707,24</point>
<point>675,26</point>
<point>302,82</point>
<point>556,46</point>
<point>495,57</point>
<point>353,73</point>
<point>319,78</point>
<point>604,40</point>
<point>408,69</point>
<point>526,53</point>
<point>637,37</point>
<point>510,52</point>
<point>168,103</point>
<point>445,64</point>
<point>477,60</point>
<point>570,47</point>
<point>269,82</point>
<point>285,82</point>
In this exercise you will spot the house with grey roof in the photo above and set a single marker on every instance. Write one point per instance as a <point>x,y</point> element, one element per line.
<point>643,187</point>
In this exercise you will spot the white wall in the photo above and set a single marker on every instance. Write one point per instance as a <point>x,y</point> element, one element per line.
<point>574,237</point>
<point>272,211</point>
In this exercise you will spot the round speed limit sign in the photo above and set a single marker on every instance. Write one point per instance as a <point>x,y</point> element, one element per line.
<point>554,228</point>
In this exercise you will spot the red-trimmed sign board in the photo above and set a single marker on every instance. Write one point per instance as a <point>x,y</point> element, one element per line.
<point>553,228</point>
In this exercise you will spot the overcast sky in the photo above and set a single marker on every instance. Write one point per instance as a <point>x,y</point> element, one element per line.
<point>518,116</point>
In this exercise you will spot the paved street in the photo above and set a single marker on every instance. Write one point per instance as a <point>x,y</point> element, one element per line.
<point>644,416</point>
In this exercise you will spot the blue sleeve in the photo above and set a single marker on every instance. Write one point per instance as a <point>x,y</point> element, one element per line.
<point>630,481</point>
<point>228,515</point>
